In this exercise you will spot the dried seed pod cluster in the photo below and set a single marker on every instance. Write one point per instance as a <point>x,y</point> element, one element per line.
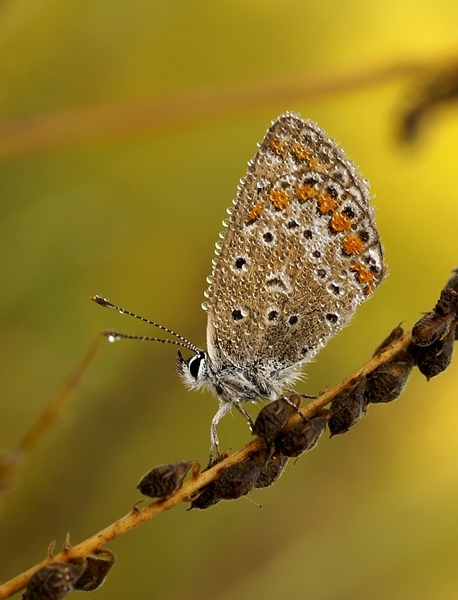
<point>434,334</point>
<point>55,580</point>
<point>264,466</point>
<point>430,350</point>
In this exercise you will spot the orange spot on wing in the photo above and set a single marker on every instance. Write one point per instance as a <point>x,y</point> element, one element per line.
<point>305,154</point>
<point>277,145</point>
<point>316,165</point>
<point>364,275</point>
<point>340,222</point>
<point>301,152</point>
<point>370,287</point>
<point>279,199</point>
<point>326,203</point>
<point>305,192</point>
<point>352,244</point>
<point>255,213</point>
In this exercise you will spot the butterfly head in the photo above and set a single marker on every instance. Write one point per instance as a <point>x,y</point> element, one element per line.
<point>193,371</point>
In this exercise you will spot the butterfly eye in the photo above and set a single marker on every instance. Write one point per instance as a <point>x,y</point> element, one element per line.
<point>194,364</point>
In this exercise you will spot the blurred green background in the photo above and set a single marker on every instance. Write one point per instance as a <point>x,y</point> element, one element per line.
<point>134,217</point>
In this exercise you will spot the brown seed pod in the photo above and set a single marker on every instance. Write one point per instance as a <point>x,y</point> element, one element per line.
<point>54,581</point>
<point>207,497</point>
<point>347,408</point>
<point>433,359</point>
<point>387,382</point>
<point>98,566</point>
<point>271,471</point>
<point>302,437</point>
<point>436,324</point>
<point>240,478</point>
<point>164,480</point>
<point>274,416</point>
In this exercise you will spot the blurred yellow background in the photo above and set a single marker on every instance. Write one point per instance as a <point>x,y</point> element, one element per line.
<point>133,214</point>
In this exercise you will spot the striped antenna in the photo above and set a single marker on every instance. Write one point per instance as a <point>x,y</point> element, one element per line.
<point>113,336</point>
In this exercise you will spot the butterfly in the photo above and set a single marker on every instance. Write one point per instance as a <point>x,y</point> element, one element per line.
<point>300,253</point>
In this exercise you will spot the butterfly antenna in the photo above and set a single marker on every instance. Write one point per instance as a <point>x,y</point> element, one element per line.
<point>115,335</point>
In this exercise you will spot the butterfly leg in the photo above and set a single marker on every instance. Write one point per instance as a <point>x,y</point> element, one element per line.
<point>294,400</point>
<point>224,407</point>
<point>239,407</point>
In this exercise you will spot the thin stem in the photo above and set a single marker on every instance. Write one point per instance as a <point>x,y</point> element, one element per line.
<point>57,404</point>
<point>138,515</point>
<point>76,126</point>
<point>11,460</point>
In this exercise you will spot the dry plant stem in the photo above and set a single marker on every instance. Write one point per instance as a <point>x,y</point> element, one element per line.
<point>384,356</point>
<point>57,404</point>
<point>49,415</point>
<point>102,123</point>
<point>138,515</point>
